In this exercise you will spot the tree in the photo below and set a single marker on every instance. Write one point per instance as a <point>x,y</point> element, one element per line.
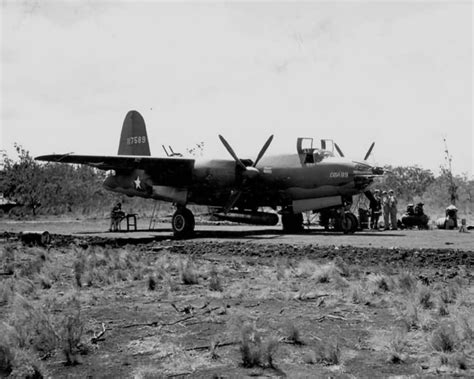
<point>21,179</point>
<point>408,182</point>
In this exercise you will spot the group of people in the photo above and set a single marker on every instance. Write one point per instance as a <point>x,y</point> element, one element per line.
<point>386,204</point>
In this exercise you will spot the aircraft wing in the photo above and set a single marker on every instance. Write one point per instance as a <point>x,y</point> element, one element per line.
<point>161,169</point>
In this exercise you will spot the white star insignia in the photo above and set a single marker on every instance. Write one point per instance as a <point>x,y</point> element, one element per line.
<point>137,183</point>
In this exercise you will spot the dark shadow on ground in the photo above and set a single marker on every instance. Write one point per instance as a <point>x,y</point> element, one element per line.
<point>226,234</point>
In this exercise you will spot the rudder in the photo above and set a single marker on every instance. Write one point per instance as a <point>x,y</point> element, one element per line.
<point>133,139</point>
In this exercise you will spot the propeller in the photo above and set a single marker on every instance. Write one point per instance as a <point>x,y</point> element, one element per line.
<point>369,151</point>
<point>250,172</point>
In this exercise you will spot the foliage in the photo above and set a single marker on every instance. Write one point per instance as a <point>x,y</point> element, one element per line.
<point>55,187</point>
<point>408,181</point>
<point>412,184</point>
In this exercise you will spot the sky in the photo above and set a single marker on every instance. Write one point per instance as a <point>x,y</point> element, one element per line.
<point>397,73</point>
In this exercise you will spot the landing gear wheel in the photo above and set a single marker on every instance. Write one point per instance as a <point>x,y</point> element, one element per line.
<point>292,223</point>
<point>355,222</point>
<point>348,223</point>
<point>182,223</point>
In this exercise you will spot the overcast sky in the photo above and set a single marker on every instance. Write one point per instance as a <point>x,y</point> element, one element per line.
<point>397,73</point>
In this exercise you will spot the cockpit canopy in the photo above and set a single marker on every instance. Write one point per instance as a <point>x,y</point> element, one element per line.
<point>310,155</point>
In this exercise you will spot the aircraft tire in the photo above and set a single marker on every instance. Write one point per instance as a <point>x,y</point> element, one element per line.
<point>355,222</point>
<point>182,223</point>
<point>292,223</point>
<point>348,224</point>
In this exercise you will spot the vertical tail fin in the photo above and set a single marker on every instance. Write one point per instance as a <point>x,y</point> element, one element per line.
<point>133,140</point>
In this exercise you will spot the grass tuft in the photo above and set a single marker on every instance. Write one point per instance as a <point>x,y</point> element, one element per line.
<point>425,297</point>
<point>329,353</point>
<point>397,347</point>
<point>294,335</point>
<point>189,275</point>
<point>444,338</point>
<point>151,283</point>
<point>215,283</point>
<point>254,350</point>
<point>406,282</point>
<point>72,329</point>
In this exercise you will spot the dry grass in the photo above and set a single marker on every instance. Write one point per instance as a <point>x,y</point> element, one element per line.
<point>34,326</point>
<point>378,283</point>
<point>328,353</point>
<point>215,283</point>
<point>294,335</point>
<point>189,274</point>
<point>71,332</point>
<point>397,347</point>
<point>254,289</point>
<point>406,282</point>
<point>424,296</point>
<point>444,338</point>
<point>255,351</point>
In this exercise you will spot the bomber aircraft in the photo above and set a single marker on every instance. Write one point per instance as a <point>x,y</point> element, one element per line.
<point>313,179</point>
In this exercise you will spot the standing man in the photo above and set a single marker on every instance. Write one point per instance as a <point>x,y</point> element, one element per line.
<point>392,201</point>
<point>376,209</point>
<point>386,210</point>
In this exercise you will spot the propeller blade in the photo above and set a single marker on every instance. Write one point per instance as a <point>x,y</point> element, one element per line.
<point>339,150</point>
<point>368,152</point>
<point>231,152</point>
<point>263,150</point>
<point>234,197</point>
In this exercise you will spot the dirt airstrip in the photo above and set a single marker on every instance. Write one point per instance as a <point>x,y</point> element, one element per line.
<point>249,302</point>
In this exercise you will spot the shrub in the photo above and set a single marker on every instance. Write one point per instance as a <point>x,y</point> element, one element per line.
<point>72,329</point>
<point>448,293</point>
<point>379,282</point>
<point>34,327</point>
<point>406,282</point>
<point>443,309</point>
<point>424,296</point>
<point>256,352</point>
<point>214,281</point>
<point>410,317</point>
<point>342,267</point>
<point>397,346</point>
<point>444,338</point>
<point>151,283</point>
<point>358,294</point>
<point>294,335</point>
<point>329,353</point>
<point>188,273</point>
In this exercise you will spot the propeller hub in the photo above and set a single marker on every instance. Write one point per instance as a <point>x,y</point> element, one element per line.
<point>251,172</point>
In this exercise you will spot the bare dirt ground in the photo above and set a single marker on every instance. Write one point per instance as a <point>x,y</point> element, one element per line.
<point>236,302</point>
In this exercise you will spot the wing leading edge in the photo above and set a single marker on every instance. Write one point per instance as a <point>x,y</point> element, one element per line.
<point>172,171</point>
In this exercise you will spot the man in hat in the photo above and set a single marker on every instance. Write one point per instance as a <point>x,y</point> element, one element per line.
<point>386,210</point>
<point>376,210</point>
<point>392,202</point>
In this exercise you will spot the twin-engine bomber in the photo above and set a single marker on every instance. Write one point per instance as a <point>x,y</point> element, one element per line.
<point>314,179</point>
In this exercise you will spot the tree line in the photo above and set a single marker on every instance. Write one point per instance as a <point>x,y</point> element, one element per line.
<point>57,189</point>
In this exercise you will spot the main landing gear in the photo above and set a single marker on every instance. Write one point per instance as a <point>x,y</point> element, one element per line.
<point>347,223</point>
<point>292,223</point>
<point>182,222</point>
